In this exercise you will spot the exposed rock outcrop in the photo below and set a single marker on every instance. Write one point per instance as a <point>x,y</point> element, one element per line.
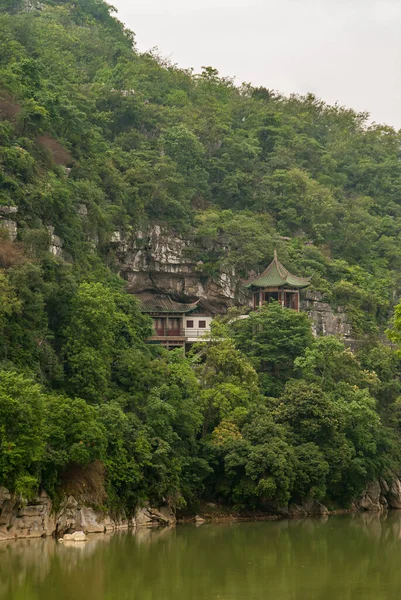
<point>19,519</point>
<point>370,498</point>
<point>393,495</point>
<point>325,320</point>
<point>77,536</point>
<point>56,244</point>
<point>159,261</point>
<point>37,518</point>
<point>314,507</point>
<point>379,495</point>
<point>148,517</point>
<point>74,516</point>
<point>8,222</point>
<point>307,508</point>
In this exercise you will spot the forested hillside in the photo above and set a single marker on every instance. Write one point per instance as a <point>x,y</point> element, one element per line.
<point>96,138</point>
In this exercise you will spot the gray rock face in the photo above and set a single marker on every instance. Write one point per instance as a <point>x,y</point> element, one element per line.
<point>8,210</point>
<point>77,536</point>
<point>82,210</point>
<point>157,260</point>
<point>20,519</point>
<point>67,515</point>
<point>10,226</point>
<point>149,517</point>
<point>325,320</point>
<point>7,222</point>
<point>382,494</point>
<point>296,510</point>
<point>314,507</point>
<point>370,499</point>
<point>393,494</point>
<point>56,243</point>
<point>308,507</point>
<point>73,516</point>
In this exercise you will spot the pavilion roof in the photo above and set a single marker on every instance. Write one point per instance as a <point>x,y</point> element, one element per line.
<point>162,303</point>
<point>276,275</point>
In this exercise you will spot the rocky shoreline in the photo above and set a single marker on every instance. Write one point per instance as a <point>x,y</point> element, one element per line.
<point>37,518</point>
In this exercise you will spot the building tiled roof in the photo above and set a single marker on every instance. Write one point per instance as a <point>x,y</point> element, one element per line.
<point>160,303</point>
<point>276,275</point>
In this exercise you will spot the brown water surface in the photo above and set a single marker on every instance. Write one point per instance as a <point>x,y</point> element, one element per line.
<point>339,558</point>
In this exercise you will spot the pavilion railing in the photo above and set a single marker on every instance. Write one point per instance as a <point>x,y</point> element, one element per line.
<point>179,332</point>
<point>195,333</point>
<point>164,332</point>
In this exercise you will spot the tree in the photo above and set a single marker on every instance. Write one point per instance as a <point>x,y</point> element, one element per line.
<point>227,380</point>
<point>103,324</point>
<point>273,338</point>
<point>22,433</point>
<point>327,362</point>
<point>258,461</point>
<point>90,339</point>
<point>74,435</point>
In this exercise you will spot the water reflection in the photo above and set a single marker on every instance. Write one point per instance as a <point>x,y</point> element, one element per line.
<point>337,558</point>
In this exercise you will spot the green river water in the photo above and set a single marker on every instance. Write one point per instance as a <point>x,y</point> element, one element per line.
<point>342,558</point>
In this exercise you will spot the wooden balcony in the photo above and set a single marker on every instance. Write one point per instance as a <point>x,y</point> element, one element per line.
<point>164,332</point>
<point>196,333</point>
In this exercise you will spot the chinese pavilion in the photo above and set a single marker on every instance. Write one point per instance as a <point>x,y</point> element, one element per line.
<point>276,283</point>
<point>175,324</point>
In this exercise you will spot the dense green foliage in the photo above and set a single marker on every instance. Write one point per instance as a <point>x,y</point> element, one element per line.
<point>95,137</point>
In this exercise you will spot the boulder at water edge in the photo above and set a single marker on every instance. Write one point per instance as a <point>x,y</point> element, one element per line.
<point>77,536</point>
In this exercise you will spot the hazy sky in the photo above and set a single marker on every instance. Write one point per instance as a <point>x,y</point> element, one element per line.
<point>347,51</point>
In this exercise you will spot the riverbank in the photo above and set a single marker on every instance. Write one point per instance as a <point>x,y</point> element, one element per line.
<point>41,518</point>
<point>20,519</point>
<point>216,513</point>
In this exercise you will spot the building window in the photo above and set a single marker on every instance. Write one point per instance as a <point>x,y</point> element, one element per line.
<point>190,324</point>
<point>269,296</point>
<point>291,300</point>
<point>202,324</point>
<point>160,326</point>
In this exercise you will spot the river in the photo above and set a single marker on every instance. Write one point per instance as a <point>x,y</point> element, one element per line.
<point>338,558</point>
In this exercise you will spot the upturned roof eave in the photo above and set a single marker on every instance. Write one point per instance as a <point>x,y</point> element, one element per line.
<point>166,305</point>
<point>280,277</point>
<point>278,285</point>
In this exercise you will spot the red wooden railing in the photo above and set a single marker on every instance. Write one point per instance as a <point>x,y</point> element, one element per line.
<point>163,332</point>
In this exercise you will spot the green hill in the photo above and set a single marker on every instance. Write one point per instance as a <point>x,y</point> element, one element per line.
<point>96,138</point>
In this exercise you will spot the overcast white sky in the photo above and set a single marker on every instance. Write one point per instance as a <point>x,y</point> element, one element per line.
<point>341,50</point>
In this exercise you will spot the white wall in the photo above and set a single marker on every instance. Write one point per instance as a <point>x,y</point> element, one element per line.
<point>195,331</point>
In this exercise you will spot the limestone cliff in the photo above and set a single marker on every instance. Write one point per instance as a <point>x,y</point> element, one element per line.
<point>157,260</point>
<point>325,320</point>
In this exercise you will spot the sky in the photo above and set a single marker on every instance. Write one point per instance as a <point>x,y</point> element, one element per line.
<point>345,51</point>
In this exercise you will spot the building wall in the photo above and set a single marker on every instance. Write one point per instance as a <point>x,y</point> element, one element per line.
<point>196,331</point>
